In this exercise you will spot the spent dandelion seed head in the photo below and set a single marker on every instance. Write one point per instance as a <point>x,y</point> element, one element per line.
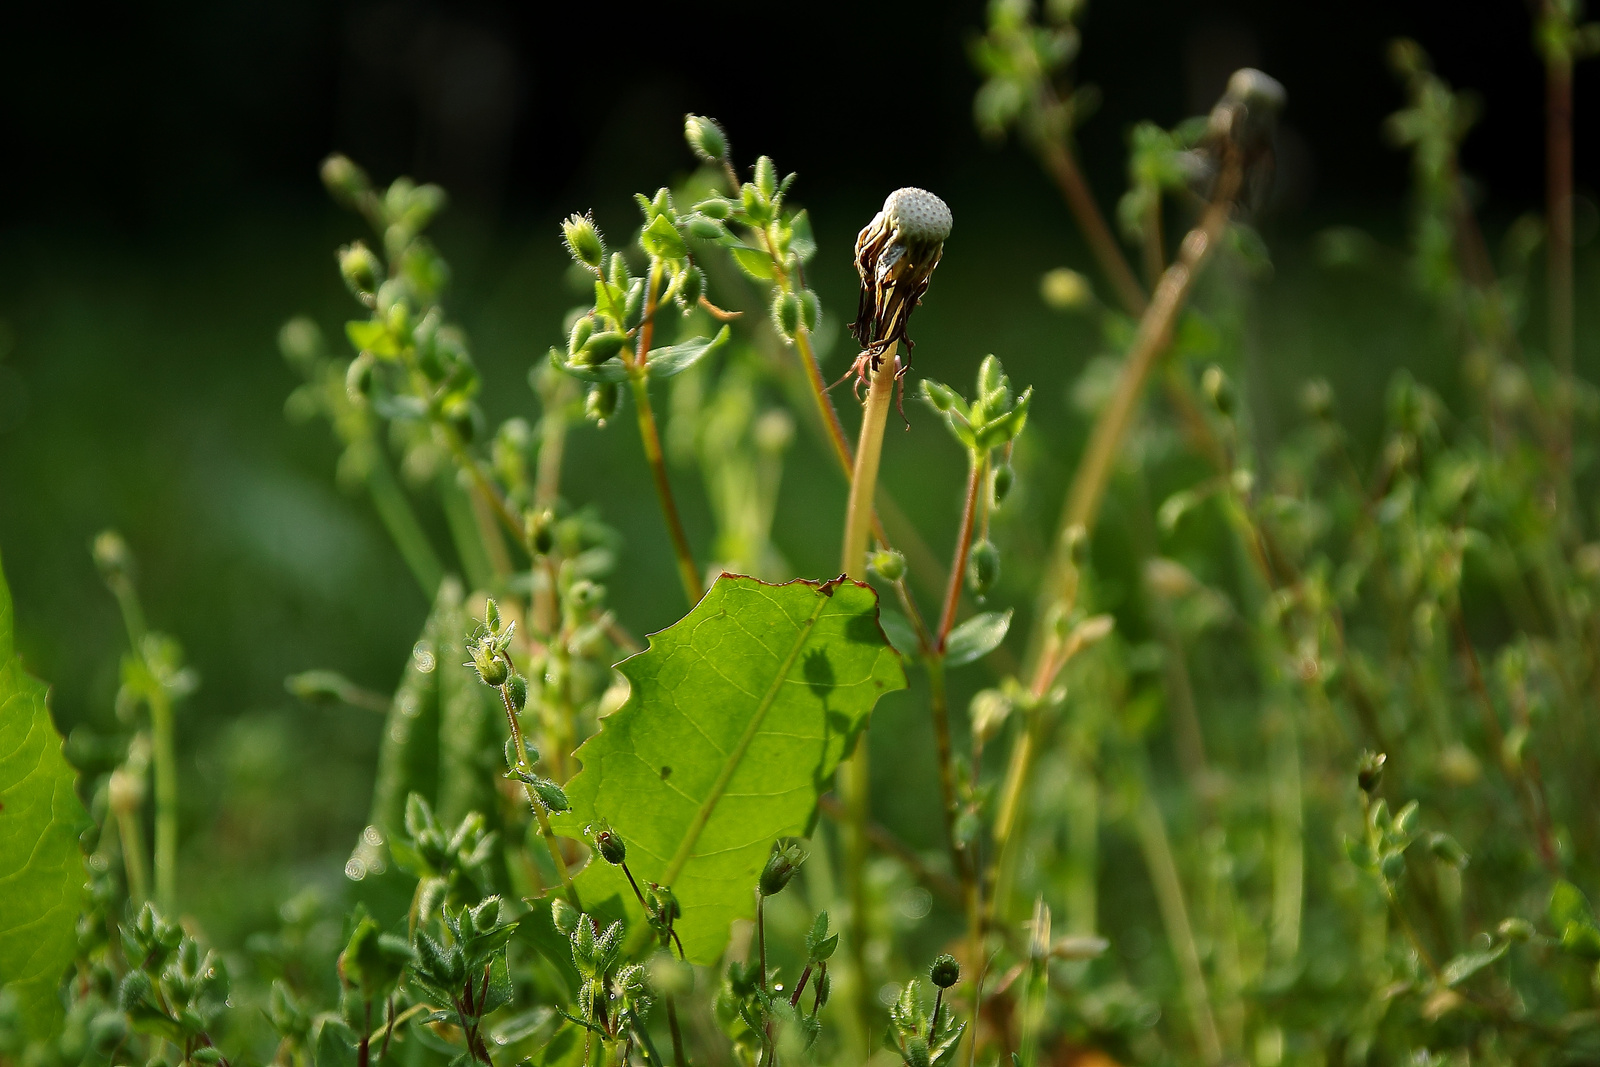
<point>895,257</point>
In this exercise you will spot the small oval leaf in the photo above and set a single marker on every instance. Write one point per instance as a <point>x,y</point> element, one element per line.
<point>976,638</point>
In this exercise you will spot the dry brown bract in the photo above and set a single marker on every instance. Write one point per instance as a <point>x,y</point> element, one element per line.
<point>895,257</point>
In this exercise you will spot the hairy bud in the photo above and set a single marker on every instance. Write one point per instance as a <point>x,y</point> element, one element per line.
<point>361,271</point>
<point>945,971</point>
<point>706,139</point>
<point>612,848</point>
<point>887,564</point>
<point>583,240</point>
<point>983,567</point>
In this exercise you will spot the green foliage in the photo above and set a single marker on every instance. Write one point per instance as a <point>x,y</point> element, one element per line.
<point>41,872</point>
<point>735,721</point>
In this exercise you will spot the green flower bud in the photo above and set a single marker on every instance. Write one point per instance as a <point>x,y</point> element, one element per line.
<point>111,555</point>
<point>786,314</point>
<point>940,396</point>
<point>1005,477</point>
<point>542,531</point>
<point>693,286</point>
<point>490,667</point>
<point>983,567</point>
<point>602,346</point>
<point>564,916</point>
<point>612,849</point>
<point>361,271</point>
<point>1065,289</point>
<point>347,182</point>
<point>810,310</point>
<point>602,401</point>
<point>705,137</point>
<point>1218,390</point>
<point>552,795</point>
<point>706,229</point>
<point>887,564</point>
<point>1369,773</point>
<point>716,208</point>
<point>766,177</point>
<point>780,868</point>
<point>517,691</point>
<point>582,330</point>
<point>945,971</point>
<point>491,615</point>
<point>358,377</point>
<point>583,240</point>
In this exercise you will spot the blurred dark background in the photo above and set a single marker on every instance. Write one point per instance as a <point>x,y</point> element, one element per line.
<point>149,117</point>
<point>160,217</point>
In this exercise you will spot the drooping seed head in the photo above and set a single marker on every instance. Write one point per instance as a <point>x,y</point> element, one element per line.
<point>895,258</point>
<point>1242,126</point>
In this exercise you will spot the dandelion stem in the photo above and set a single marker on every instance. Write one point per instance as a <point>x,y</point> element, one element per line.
<point>864,480</point>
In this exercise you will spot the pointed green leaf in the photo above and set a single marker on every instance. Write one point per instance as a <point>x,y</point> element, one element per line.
<point>902,635</point>
<point>372,337</point>
<point>612,370</point>
<point>755,263</point>
<point>41,867</point>
<point>1467,964</point>
<point>738,716</point>
<point>976,638</point>
<point>675,359</point>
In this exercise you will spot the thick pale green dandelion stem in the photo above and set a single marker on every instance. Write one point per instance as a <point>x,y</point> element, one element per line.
<point>864,480</point>
<point>855,776</point>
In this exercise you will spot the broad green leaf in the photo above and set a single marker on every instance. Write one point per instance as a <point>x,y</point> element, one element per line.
<point>902,635</point>
<point>802,243</point>
<point>41,867</point>
<point>976,638</point>
<point>612,370</point>
<point>737,717</point>
<point>372,337</point>
<point>1467,964</point>
<point>675,359</point>
<point>1568,904</point>
<point>755,263</point>
<point>662,240</point>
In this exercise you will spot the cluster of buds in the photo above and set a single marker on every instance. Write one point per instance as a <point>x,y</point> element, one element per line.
<point>919,1038</point>
<point>175,990</point>
<point>613,340</point>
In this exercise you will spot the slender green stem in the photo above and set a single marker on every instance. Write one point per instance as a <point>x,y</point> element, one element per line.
<point>401,521</point>
<point>165,761</point>
<point>1058,160</point>
<point>761,936</point>
<point>650,437</point>
<point>688,573</point>
<point>536,804</point>
<point>977,477</point>
<point>678,1057</point>
<point>864,479</point>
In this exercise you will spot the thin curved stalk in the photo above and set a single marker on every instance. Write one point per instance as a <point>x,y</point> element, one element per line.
<point>650,437</point>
